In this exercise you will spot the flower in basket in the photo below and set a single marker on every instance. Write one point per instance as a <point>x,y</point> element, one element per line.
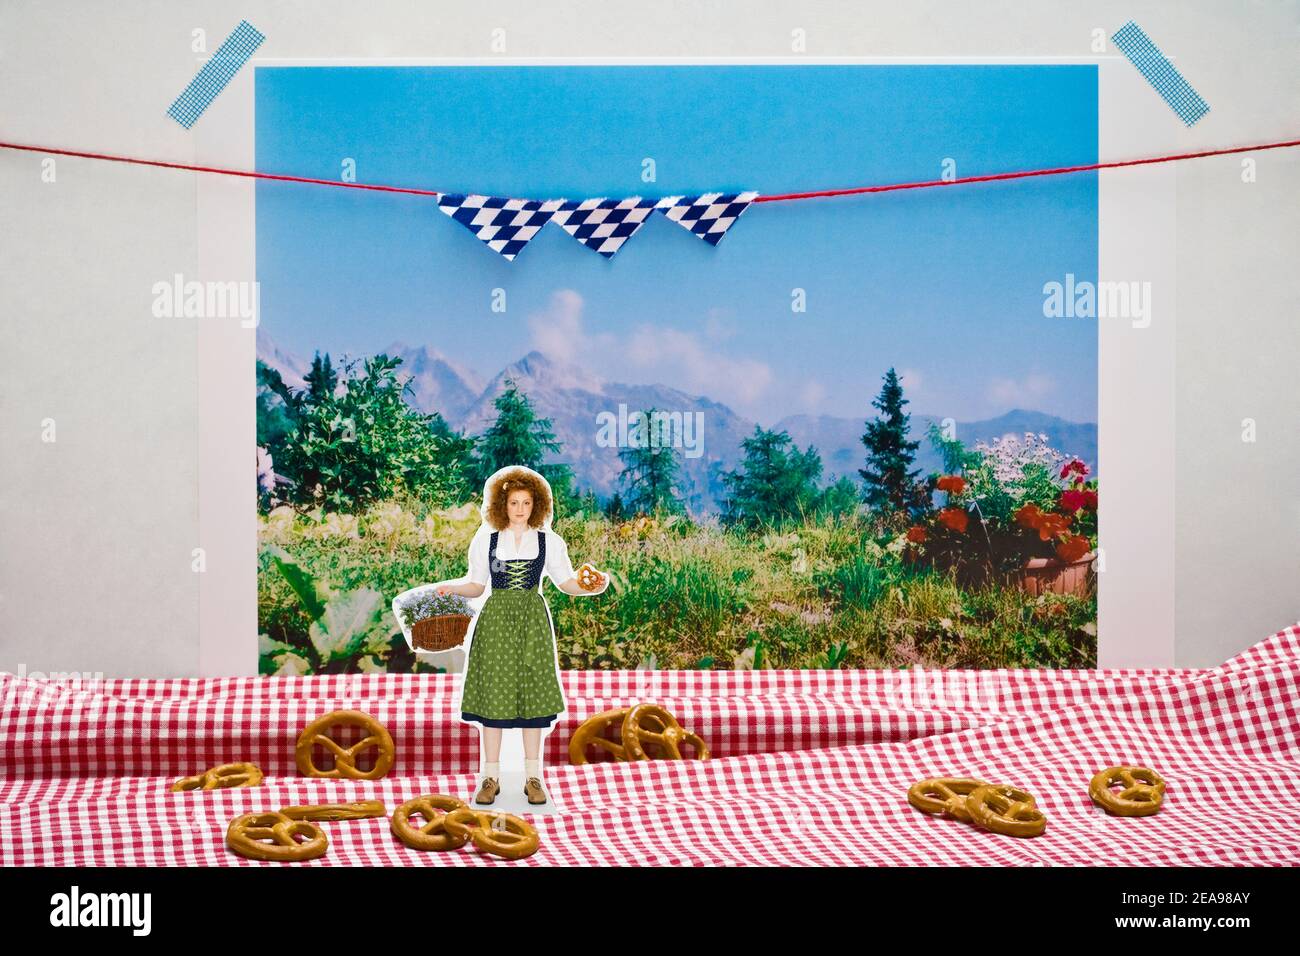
<point>436,621</point>
<point>1052,525</point>
<point>1073,548</point>
<point>1010,505</point>
<point>1029,516</point>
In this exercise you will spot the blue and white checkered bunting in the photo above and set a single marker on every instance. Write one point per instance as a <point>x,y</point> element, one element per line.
<point>216,73</point>
<point>708,216</point>
<point>1160,73</point>
<point>604,224</point>
<point>505,225</point>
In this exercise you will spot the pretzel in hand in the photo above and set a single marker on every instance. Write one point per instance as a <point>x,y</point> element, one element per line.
<point>247,836</point>
<point>500,834</point>
<point>1004,809</point>
<point>336,811</point>
<point>945,796</point>
<point>433,833</point>
<point>1143,791</point>
<point>218,778</point>
<point>345,759</point>
<point>589,579</point>
<point>651,724</point>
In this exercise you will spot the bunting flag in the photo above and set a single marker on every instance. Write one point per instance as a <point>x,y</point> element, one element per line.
<point>604,224</point>
<point>505,225</point>
<point>708,216</point>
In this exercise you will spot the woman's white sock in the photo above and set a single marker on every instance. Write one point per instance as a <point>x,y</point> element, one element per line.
<point>492,769</point>
<point>533,768</point>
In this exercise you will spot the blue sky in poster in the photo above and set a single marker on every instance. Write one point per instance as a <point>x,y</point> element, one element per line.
<point>943,284</point>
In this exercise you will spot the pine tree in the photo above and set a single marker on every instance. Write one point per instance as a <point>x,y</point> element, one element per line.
<point>517,437</point>
<point>650,469</point>
<point>774,482</point>
<point>891,488</point>
<point>321,380</point>
<point>455,456</point>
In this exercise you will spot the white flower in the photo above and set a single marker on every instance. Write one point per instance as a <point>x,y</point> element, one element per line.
<point>265,470</point>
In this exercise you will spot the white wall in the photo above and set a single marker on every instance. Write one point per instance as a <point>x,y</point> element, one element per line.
<point>96,529</point>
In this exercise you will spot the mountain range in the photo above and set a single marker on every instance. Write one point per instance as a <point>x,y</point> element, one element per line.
<point>573,397</point>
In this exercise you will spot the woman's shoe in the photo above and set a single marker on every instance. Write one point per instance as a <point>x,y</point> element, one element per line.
<point>487,793</point>
<point>533,790</point>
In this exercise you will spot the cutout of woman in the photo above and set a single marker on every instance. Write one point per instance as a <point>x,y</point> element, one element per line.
<point>512,673</point>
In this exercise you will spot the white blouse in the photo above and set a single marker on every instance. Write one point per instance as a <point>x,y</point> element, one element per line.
<point>558,566</point>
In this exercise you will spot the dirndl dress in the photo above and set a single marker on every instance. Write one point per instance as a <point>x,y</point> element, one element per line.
<point>510,675</point>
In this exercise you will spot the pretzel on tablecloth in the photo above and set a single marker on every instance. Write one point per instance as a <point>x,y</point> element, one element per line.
<point>592,732</point>
<point>1005,809</point>
<point>336,811</point>
<point>1143,793</point>
<point>247,836</point>
<point>944,796</point>
<point>218,778</point>
<point>500,834</point>
<point>433,834</point>
<point>345,759</point>
<point>650,722</point>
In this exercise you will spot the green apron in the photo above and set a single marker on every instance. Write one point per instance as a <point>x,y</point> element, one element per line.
<point>510,675</point>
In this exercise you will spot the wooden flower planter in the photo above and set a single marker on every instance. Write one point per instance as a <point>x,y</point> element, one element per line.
<point>1054,576</point>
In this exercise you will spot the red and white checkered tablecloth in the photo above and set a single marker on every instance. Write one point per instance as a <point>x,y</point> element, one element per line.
<point>809,767</point>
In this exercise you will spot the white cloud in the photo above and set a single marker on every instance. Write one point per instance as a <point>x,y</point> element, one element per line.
<point>718,324</point>
<point>557,330</point>
<point>697,367</point>
<point>813,394</point>
<point>1025,392</point>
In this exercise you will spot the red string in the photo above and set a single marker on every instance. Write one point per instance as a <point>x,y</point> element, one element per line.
<point>819,194</point>
<point>1056,171</point>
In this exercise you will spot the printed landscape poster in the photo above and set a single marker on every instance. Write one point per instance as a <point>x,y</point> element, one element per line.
<point>859,432</point>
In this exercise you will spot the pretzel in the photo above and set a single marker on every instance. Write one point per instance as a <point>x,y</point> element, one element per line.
<point>650,722</point>
<point>336,811</point>
<point>1143,793</point>
<point>592,731</point>
<point>345,760</point>
<point>218,778</point>
<point>1004,809</point>
<point>247,833</point>
<point>589,579</point>
<point>433,835</point>
<point>943,795</point>
<point>500,834</point>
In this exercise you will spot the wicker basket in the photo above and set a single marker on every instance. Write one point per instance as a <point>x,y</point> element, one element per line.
<point>439,633</point>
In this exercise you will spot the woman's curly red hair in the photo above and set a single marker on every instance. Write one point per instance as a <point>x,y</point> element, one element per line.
<point>517,479</point>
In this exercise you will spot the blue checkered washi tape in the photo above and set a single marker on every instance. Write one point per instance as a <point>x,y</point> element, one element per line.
<point>1160,73</point>
<point>216,73</point>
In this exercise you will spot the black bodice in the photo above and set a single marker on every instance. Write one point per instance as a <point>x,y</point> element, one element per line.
<point>517,574</point>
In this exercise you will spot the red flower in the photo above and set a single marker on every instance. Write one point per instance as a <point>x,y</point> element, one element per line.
<point>1029,516</point>
<point>1074,466</point>
<point>1090,499</point>
<point>954,518</point>
<point>1073,548</point>
<point>953,484</point>
<point>1052,525</point>
<point>1072,500</point>
<point>916,534</point>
